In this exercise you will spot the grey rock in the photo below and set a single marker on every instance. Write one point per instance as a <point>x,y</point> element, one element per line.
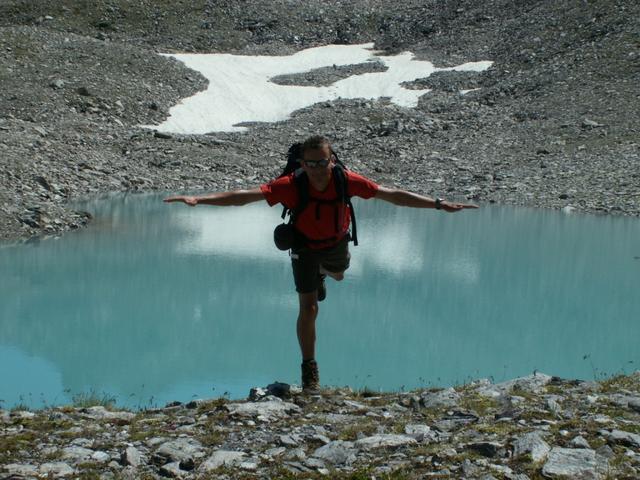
<point>354,405</point>
<point>101,413</point>
<point>625,438</point>
<point>195,403</point>
<point>295,454</point>
<point>82,442</point>
<point>76,453</point>
<point>220,458</point>
<point>100,456</point>
<point>314,462</point>
<point>289,440</point>
<point>586,123</point>
<point>296,467</point>
<point>56,469</point>
<point>57,84</point>
<point>256,393</point>
<point>275,452</point>
<point>579,442</point>
<point>337,452</point>
<point>634,404</point>
<point>268,409</point>
<point>486,449</point>
<point>605,451</point>
<point>443,398</point>
<point>625,400</point>
<point>468,468</point>
<point>172,470</point>
<point>280,390</point>
<point>180,450</point>
<point>129,473</point>
<point>455,420</point>
<point>22,414</point>
<point>573,463</point>
<point>384,440</point>
<point>531,383</point>
<point>251,466</point>
<point>131,456</point>
<point>422,433</point>
<point>553,405</point>
<point>21,469</point>
<point>320,438</point>
<point>533,444</point>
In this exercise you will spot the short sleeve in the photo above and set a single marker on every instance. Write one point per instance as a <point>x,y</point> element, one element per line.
<point>281,190</point>
<point>361,186</point>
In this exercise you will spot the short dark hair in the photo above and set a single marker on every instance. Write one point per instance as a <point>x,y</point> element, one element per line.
<point>315,142</point>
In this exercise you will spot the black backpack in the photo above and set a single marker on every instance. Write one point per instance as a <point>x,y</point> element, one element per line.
<point>285,234</point>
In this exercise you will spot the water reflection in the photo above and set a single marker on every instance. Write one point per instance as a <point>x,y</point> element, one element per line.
<point>166,301</point>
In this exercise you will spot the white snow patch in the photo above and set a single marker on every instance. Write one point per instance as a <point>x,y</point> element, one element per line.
<point>240,89</point>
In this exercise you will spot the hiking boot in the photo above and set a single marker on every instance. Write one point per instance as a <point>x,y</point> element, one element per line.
<point>322,288</point>
<point>310,376</point>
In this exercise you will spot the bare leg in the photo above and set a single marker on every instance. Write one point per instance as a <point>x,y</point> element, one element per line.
<point>306,325</point>
<point>335,275</point>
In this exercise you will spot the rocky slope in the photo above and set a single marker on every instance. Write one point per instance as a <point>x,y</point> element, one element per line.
<point>528,428</point>
<point>553,124</point>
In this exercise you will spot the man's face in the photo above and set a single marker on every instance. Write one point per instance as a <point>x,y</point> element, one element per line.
<point>317,163</point>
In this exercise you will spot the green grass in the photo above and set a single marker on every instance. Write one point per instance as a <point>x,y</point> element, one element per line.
<point>20,407</point>
<point>619,382</point>
<point>93,399</point>
<point>480,404</point>
<point>364,427</point>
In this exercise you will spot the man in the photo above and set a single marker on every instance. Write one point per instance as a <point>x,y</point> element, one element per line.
<point>324,227</point>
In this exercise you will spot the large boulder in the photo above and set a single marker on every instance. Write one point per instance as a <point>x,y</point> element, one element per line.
<point>220,458</point>
<point>574,464</point>
<point>533,444</point>
<point>337,452</point>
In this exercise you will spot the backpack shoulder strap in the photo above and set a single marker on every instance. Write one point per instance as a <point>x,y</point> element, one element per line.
<point>301,181</point>
<point>342,189</point>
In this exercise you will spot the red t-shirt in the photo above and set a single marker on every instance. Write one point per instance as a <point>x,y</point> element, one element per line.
<point>283,190</point>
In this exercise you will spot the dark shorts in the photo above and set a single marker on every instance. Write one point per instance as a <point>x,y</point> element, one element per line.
<point>306,264</point>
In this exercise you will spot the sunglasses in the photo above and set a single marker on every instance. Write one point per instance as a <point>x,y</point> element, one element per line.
<point>316,163</point>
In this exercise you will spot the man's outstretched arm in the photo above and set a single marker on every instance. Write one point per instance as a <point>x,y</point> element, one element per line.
<point>223,199</point>
<point>408,199</point>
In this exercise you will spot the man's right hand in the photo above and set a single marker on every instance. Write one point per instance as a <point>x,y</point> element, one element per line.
<point>191,201</point>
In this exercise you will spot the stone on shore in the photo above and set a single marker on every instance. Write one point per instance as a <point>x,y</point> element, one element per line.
<point>179,450</point>
<point>533,444</point>
<point>220,458</point>
<point>131,456</point>
<point>625,438</point>
<point>531,383</point>
<point>384,440</point>
<point>267,409</point>
<point>337,452</point>
<point>574,463</point>
<point>443,398</point>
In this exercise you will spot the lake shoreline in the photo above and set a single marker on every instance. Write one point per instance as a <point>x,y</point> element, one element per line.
<point>523,428</point>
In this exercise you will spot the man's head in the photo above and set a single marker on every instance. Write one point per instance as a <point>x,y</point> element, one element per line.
<point>317,158</point>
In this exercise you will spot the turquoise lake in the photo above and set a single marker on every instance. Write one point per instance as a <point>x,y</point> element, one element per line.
<point>158,302</point>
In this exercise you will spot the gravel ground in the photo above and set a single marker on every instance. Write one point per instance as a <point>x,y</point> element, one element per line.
<point>554,123</point>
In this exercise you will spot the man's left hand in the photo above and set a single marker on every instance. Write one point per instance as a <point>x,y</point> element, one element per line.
<point>455,207</point>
